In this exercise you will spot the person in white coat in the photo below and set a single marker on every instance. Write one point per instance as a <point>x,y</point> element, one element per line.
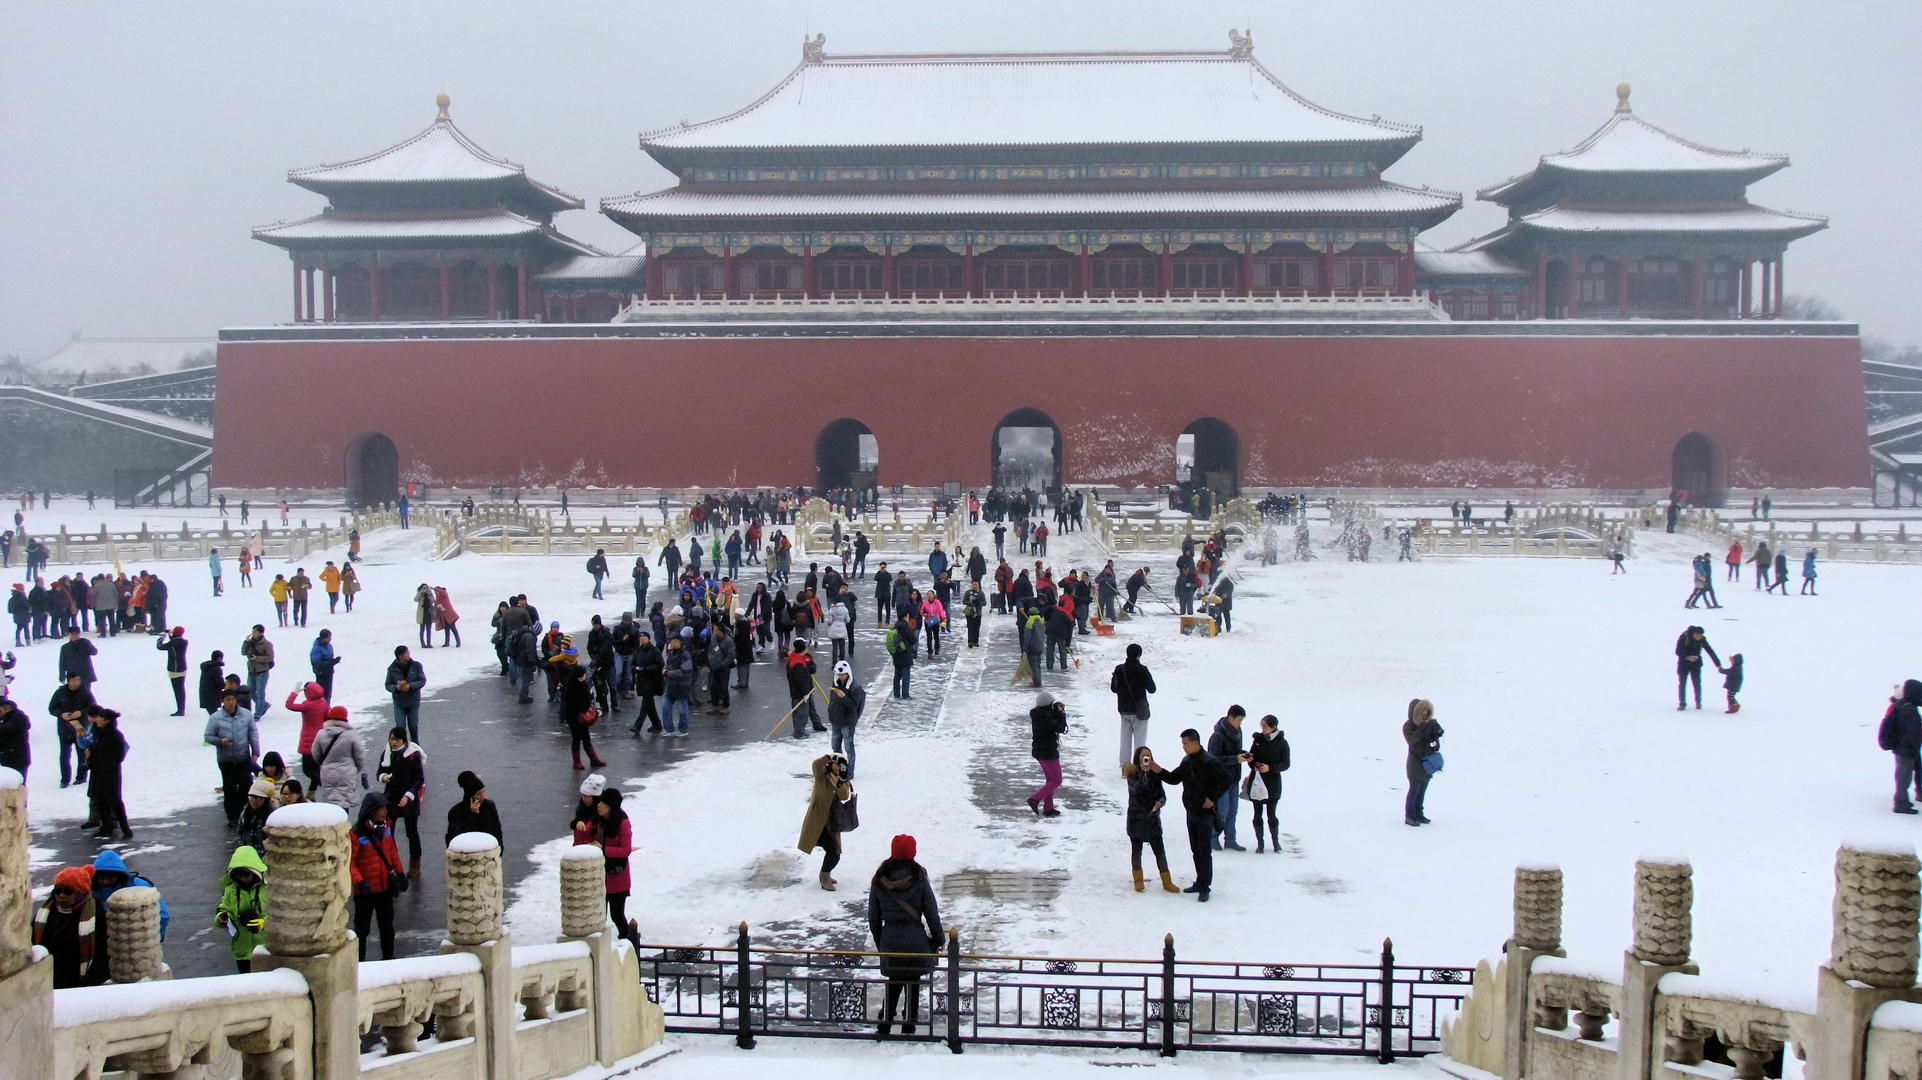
<point>836,618</point>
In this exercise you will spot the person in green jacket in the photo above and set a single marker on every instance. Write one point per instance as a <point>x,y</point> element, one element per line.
<point>243,904</point>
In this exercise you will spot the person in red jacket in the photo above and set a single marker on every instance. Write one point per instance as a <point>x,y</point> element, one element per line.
<point>313,713</point>
<point>376,868</point>
<point>615,838</point>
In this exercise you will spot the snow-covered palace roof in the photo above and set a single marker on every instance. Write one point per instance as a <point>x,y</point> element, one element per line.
<point>1122,99</point>
<point>440,154</point>
<point>1628,144</point>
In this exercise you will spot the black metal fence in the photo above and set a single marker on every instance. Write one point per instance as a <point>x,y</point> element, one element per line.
<point>1164,1006</point>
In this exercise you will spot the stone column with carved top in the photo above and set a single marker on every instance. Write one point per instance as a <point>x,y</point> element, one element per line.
<point>1538,932</point>
<point>26,984</point>
<point>309,895</point>
<point>1664,934</point>
<point>474,904</point>
<point>1872,956</point>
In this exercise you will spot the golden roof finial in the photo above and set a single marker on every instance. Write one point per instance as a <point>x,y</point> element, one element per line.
<point>443,101</point>
<point>1621,98</point>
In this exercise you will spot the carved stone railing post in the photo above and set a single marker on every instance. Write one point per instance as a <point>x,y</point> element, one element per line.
<point>26,985</point>
<point>584,918</point>
<point>1664,932</point>
<point>1538,932</point>
<point>1878,898</point>
<point>474,926</point>
<point>309,887</point>
<point>133,935</point>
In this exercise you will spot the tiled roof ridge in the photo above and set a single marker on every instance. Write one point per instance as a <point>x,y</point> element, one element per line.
<point>1619,118</point>
<point>318,172</point>
<point>905,59</point>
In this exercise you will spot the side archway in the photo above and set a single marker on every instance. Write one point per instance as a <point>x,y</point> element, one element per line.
<point>1699,467</point>
<point>372,466</point>
<point>1026,451</point>
<point>846,454</point>
<point>1209,452</point>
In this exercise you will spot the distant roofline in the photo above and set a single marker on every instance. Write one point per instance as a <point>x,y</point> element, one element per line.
<point>1760,163</point>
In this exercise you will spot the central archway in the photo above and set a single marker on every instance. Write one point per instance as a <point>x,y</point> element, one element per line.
<point>1700,468</point>
<point>1026,451</point>
<point>372,467</point>
<point>846,454</point>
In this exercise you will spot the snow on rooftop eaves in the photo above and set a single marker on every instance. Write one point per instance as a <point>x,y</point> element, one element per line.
<point>1028,100</point>
<point>684,203</point>
<point>440,153</point>
<point>1747,219</point>
<point>490,224</point>
<point>1467,264</point>
<point>597,268</point>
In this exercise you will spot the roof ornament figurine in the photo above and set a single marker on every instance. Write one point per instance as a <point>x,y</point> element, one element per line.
<point>1241,46</point>
<point>443,101</point>
<point>1621,98</point>
<point>814,49</point>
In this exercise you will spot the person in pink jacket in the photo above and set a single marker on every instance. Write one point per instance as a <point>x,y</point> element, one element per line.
<point>615,838</point>
<point>313,713</point>
<point>445,616</point>
<point>933,618</point>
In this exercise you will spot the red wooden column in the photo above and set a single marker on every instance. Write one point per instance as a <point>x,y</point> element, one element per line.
<point>1084,267</point>
<point>1573,301</point>
<point>1748,289</point>
<point>1165,271</point>
<point>446,294</point>
<point>493,290</point>
<point>1325,268</point>
<point>652,271</point>
<point>373,288</point>
<point>1777,309</point>
<point>1541,285</point>
<point>520,273</point>
<point>327,291</point>
<point>889,286</point>
<point>967,270</point>
<point>1621,284</point>
<point>808,282</point>
<point>307,290</point>
<point>1247,269</point>
<point>728,290</point>
<point>297,316</point>
<point>570,307</point>
<point>1405,272</point>
<point>1695,288</point>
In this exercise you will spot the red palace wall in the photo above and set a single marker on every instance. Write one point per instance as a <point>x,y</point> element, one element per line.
<point>1446,409</point>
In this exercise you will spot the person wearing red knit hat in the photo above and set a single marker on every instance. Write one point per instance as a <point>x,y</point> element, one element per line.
<point>906,922</point>
<point>66,924</point>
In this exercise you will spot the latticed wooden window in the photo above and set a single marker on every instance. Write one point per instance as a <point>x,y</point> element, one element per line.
<point>1027,275</point>
<point>852,276</point>
<point>931,276</point>
<point>770,277</point>
<point>1124,276</point>
<point>1205,275</point>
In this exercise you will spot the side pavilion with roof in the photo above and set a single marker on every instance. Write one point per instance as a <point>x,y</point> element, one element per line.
<point>431,228</point>
<point>1101,174</point>
<point>1635,222</point>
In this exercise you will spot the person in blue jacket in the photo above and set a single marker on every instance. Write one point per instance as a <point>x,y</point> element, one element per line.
<point>110,875</point>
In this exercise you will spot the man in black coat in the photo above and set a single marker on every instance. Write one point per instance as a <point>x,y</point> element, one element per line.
<point>1902,735</point>
<point>1203,780</point>
<point>15,749</point>
<point>1137,581</point>
<point>1060,631</point>
<point>649,681</point>
<point>76,656</point>
<point>1226,746</point>
<point>69,706</point>
<point>1688,664</point>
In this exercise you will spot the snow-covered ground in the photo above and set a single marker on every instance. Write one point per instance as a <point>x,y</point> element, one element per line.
<point>1553,679</point>
<point>684,1057</point>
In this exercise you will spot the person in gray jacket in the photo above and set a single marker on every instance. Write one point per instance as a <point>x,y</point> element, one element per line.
<point>340,760</point>
<point>1034,639</point>
<point>846,701</point>
<point>236,742</point>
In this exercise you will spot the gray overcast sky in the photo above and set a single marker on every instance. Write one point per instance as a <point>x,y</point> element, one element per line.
<point>140,142</point>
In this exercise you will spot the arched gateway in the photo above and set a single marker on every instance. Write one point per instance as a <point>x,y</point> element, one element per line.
<point>372,466</point>
<point>1026,451</point>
